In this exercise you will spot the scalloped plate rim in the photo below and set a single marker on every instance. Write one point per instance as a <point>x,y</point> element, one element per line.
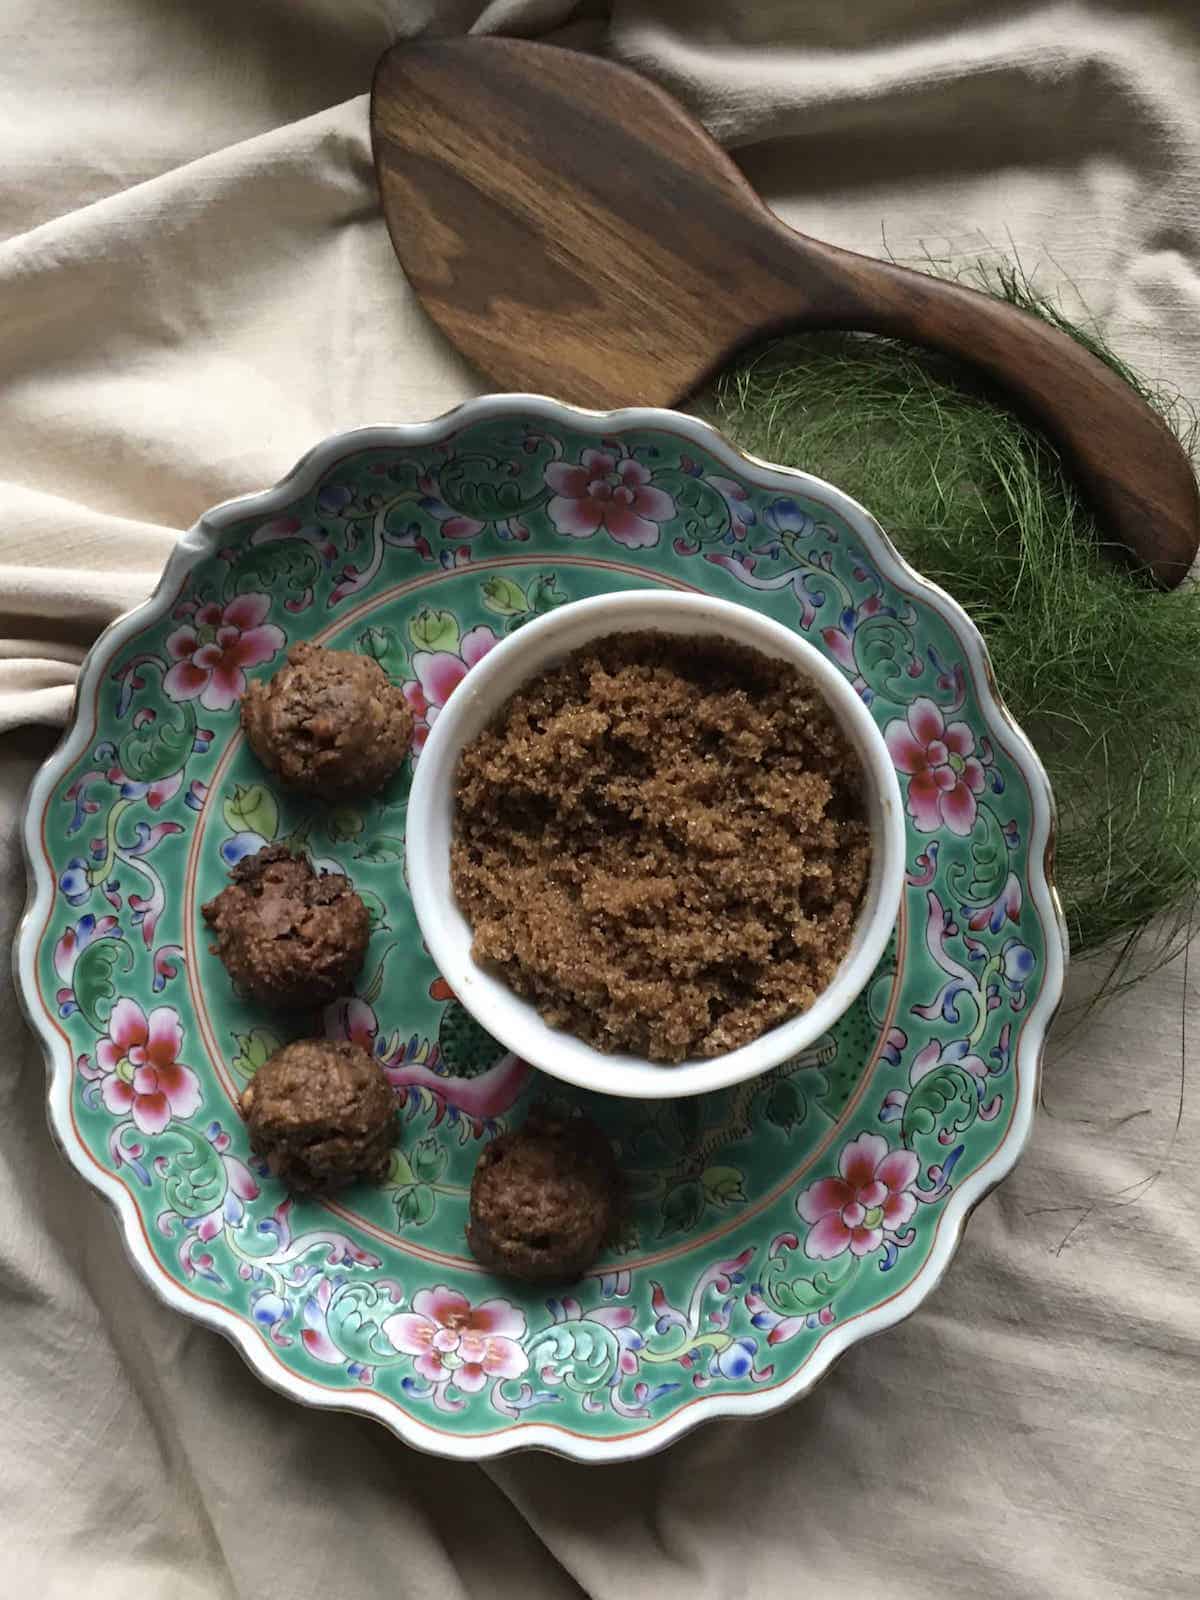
<point>200,542</point>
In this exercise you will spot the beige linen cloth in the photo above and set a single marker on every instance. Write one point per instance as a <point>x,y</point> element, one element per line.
<point>195,285</point>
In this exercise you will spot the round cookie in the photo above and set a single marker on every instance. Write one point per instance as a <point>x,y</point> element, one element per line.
<point>543,1199</point>
<point>330,722</point>
<point>322,1114</point>
<point>289,937</point>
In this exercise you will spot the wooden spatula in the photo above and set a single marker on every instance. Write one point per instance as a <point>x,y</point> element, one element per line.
<point>575,232</point>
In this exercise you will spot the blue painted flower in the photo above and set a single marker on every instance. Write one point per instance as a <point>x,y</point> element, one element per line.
<point>334,497</point>
<point>788,516</point>
<point>74,882</point>
<point>1017,963</point>
<point>240,845</point>
<point>736,1360</point>
<point>268,1308</point>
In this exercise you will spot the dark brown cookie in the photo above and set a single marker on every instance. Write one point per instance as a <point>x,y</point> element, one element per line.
<point>543,1199</point>
<point>322,1114</point>
<point>289,937</point>
<point>330,722</point>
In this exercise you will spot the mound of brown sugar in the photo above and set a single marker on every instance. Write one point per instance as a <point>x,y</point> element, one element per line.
<point>661,843</point>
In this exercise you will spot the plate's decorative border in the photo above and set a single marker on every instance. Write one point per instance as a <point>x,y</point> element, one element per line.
<point>202,541</point>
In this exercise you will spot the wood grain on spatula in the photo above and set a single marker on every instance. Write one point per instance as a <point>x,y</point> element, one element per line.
<point>575,232</point>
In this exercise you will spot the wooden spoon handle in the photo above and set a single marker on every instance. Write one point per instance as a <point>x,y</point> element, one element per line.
<point>1124,457</point>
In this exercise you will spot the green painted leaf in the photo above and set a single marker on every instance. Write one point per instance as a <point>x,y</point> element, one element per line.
<point>723,1186</point>
<point>586,1353</point>
<point>681,1207</point>
<point>290,564</point>
<point>385,645</point>
<point>883,653</point>
<point>415,1205</point>
<point>471,486</point>
<point>428,1160</point>
<point>384,847</point>
<point>376,910</point>
<point>928,1106</point>
<point>343,823</point>
<point>92,979</point>
<point>251,809</point>
<point>354,1320</point>
<point>434,630</point>
<point>803,1295</point>
<point>787,1105</point>
<point>162,747</point>
<point>982,881</point>
<point>253,1048</point>
<point>195,1183</point>
<point>544,593</point>
<point>504,597</point>
<point>702,510</point>
<point>799,1296</point>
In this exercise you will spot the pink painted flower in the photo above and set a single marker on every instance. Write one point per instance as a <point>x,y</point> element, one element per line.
<point>871,1196</point>
<point>454,1342</point>
<point>142,1072</point>
<point>212,652</point>
<point>608,492</point>
<point>944,774</point>
<point>439,673</point>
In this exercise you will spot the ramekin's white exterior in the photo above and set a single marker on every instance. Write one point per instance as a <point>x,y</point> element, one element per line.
<point>477,700</point>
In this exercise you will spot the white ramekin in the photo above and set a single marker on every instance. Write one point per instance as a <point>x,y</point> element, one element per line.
<point>477,700</point>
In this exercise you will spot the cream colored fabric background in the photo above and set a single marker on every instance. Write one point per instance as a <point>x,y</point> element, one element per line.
<point>195,285</point>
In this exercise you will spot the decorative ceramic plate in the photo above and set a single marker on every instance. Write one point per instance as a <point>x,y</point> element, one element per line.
<point>771,1225</point>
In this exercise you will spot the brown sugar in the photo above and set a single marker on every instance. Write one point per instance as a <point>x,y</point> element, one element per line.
<point>661,843</point>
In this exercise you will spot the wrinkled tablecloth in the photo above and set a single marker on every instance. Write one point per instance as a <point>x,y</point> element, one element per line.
<point>195,285</point>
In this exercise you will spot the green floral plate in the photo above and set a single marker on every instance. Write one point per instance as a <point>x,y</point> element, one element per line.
<point>772,1225</point>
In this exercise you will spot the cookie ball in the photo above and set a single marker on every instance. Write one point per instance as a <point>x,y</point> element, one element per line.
<point>543,1199</point>
<point>330,722</point>
<point>289,937</point>
<point>322,1114</point>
